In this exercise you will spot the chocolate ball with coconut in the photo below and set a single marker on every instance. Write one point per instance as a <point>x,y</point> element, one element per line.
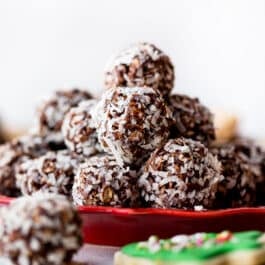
<point>40,229</point>
<point>142,64</point>
<point>52,112</point>
<point>132,122</point>
<point>255,156</point>
<point>101,181</point>
<point>12,154</point>
<point>243,169</point>
<point>53,172</point>
<point>79,130</point>
<point>191,119</point>
<point>180,174</point>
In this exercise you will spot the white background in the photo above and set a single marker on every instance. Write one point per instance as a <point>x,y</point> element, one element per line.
<point>218,48</point>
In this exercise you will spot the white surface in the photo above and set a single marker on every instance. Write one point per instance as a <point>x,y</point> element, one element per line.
<point>218,48</point>
<point>96,255</point>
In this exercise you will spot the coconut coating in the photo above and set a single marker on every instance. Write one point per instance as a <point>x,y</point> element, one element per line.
<point>132,123</point>
<point>79,130</point>
<point>142,64</point>
<point>242,167</point>
<point>39,230</point>
<point>51,113</point>
<point>180,174</point>
<point>191,119</point>
<point>12,154</point>
<point>6,261</point>
<point>101,181</point>
<point>53,172</point>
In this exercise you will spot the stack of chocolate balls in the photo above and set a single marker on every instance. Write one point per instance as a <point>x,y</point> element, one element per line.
<point>139,145</point>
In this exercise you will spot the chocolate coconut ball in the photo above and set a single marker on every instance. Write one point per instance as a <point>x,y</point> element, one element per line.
<point>191,119</point>
<point>252,153</point>
<point>141,65</point>
<point>12,154</point>
<point>51,113</point>
<point>132,122</point>
<point>79,130</point>
<point>101,181</point>
<point>180,174</point>
<point>255,155</point>
<point>53,172</point>
<point>242,167</point>
<point>41,229</point>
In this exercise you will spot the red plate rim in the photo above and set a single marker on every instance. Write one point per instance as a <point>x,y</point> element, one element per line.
<point>156,211</point>
<point>171,212</point>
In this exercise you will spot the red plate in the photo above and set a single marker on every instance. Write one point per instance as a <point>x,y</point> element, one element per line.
<point>119,226</point>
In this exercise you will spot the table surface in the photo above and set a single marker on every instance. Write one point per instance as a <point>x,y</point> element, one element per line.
<point>96,255</point>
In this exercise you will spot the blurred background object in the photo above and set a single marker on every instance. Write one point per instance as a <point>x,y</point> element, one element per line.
<point>9,133</point>
<point>2,136</point>
<point>226,126</point>
<point>217,48</point>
